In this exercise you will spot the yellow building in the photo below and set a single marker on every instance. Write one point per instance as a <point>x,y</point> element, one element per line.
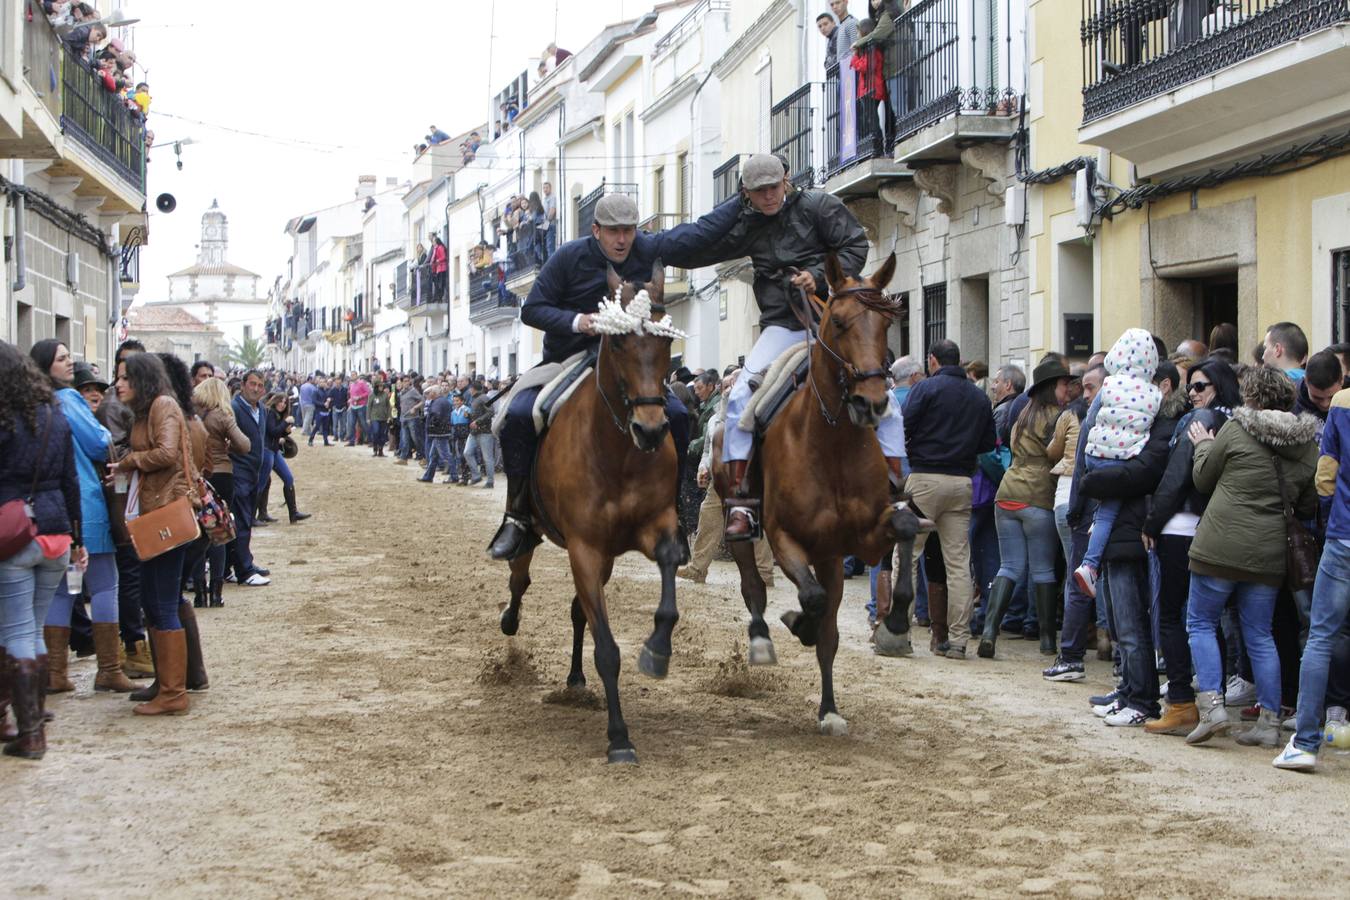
<point>1202,183</point>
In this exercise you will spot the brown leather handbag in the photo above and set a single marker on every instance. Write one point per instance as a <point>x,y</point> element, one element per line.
<point>172,525</point>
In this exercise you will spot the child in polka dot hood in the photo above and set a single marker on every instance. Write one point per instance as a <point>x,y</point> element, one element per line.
<point>1128,404</point>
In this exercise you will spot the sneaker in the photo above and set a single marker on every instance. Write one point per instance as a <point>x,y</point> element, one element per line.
<point>1104,699</point>
<point>1109,709</point>
<point>1295,759</point>
<point>1127,717</point>
<point>1086,578</point>
<point>1063,670</point>
<point>487,485</point>
<point>955,653</point>
<point>229,577</point>
<point>256,580</point>
<point>1239,692</point>
<point>691,574</point>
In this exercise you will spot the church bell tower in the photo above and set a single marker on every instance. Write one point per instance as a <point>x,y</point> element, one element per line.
<point>211,251</point>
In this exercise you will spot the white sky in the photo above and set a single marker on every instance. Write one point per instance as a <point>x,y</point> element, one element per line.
<point>360,82</point>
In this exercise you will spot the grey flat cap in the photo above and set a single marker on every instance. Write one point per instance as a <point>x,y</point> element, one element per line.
<point>616,211</point>
<point>762,170</point>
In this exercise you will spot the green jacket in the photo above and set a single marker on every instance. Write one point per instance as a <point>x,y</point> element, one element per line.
<point>705,413</point>
<point>377,407</point>
<point>1241,534</point>
<point>1028,480</point>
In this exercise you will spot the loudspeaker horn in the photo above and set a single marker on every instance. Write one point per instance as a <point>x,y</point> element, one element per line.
<point>165,203</point>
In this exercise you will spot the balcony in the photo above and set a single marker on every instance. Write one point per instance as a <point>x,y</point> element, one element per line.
<point>677,280</point>
<point>130,269</point>
<point>586,206</point>
<point>1179,86</point>
<point>418,296</point>
<point>792,135</point>
<point>99,123</point>
<point>489,302</point>
<point>857,144</point>
<point>727,180</point>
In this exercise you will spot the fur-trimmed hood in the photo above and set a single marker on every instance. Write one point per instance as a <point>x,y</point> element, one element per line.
<point>1283,432</point>
<point>1173,405</point>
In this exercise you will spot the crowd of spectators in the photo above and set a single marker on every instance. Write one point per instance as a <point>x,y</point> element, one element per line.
<point>109,60</point>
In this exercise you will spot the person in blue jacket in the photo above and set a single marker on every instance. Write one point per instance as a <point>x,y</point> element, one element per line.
<point>91,442</point>
<point>567,291</point>
<point>248,475</point>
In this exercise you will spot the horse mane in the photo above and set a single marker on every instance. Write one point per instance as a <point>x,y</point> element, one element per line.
<point>873,298</point>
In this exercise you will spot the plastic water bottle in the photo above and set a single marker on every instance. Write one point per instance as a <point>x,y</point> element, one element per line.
<point>1337,731</point>
<point>74,580</point>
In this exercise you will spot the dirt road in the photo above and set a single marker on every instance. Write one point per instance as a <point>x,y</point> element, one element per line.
<point>370,731</point>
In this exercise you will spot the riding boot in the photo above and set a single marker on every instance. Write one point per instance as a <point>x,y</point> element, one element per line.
<point>516,536</point>
<point>7,731</point>
<point>107,644</point>
<point>1000,595</point>
<point>152,689</point>
<point>58,657</point>
<point>938,638</point>
<point>28,688</point>
<point>740,520</point>
<point>291,506</point>
<point>199,592</point>
<point>1047,599</point>
<point>216,600</point>
<point>196,665</point>
<point>263,518</point>
<point>171,667</point>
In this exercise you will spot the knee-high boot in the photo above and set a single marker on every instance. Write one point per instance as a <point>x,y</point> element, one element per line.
<point>216,599</point>
<point>150,690</point>
<point>263,518</point>
<point>1047,603</point>
<point>28,687</point>
<point>288,491</point>
<point>516,536</point>
<point>171,669</point>
<point>58,658</point>
<point>107,644</point>
<point>8,732</point>
<point>196,664</point>
<point>1000,595</point>
<point>937,617</point>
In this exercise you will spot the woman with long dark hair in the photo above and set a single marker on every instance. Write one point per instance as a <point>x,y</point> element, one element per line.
<point>276,426</point>
<point>1024,510</point>
<point>160,475</point>
<point>91,442</point>
<point>533,222</point>
<point>223,437</point>
<point>37,466</point>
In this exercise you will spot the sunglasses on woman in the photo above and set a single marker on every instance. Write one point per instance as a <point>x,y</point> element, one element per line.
<point>1198,386</point>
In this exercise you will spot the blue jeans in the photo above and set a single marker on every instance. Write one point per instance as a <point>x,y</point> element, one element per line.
<point>1026,538</point>
<point>1256,609</point>
<point>1079,608</point>
<point>161,579</point>
<point>27,582</point>
<point>1125,583</point>
<point>356,415</point>
<point>1104,519</point>
<point>100,580</point>
<point>379,432</point>
<point>407,438</point>
<point>1330,604</point>
<point>481,442</point>
<point>438,454</point>
<point>282,468</point>
<point>340,424</point>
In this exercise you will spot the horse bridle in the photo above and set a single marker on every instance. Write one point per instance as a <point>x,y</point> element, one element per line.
<point>849,374</point>
<point>627,404</point>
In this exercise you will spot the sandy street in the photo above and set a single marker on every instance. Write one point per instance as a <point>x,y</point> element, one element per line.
<point>369,731</point>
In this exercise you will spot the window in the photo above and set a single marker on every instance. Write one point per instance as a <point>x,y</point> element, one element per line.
<point>659,191</point>
<point>248,332</point>
<point>765,103</point>
<point>934,314</point>
<point>682,200</point>
<point>455,288</point>
<point>1340,296</point>
<point>722,305</point>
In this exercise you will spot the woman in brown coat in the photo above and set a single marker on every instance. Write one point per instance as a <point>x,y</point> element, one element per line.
<point>223,437</point>
<point>157,464</point>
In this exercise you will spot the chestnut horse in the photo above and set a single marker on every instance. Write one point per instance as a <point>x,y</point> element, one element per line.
<point>605,483</point>
<point>824,478</point>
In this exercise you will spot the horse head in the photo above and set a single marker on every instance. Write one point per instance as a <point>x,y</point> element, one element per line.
<point>853,324</point>
<point>636,357</point>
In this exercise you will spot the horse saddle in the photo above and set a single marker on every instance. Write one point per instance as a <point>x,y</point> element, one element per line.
<point>560,389</point>
<point>781,381</point>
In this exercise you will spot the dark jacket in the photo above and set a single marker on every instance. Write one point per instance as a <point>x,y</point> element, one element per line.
<point>1130,482</point>
<point>438,417</point>
<point>948,422</point>
<point>248,465</point>
<point>706,410</point>
<point>1176,492</point>
<point>576,277</point>
<point>117,417</point>
<point>56,502</point>
<point>810,225</point>
<point>276,429</point>
<point>337,395</point>
<point>480,414</point>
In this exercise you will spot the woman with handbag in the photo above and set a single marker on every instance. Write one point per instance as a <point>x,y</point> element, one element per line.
<point>39,537</point>
<point>90,442</point>
<point>163,499</point>
<point>277,433</point>
<point>213,403</point>
<point>1258,471</point>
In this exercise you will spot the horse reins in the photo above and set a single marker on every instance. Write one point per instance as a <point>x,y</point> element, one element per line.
<point>848,373</point>
<point>627,403</point>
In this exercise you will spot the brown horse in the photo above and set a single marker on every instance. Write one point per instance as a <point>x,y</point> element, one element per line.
<point>824,478</point>
<point>606,481</point>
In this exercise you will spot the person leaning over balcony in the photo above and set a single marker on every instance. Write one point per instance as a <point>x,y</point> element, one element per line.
<point>83,39</point>
<point>826,25</point>
<point>846,34</point>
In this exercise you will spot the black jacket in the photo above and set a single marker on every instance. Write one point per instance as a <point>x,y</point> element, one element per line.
<point>948,422</point>
<point>1176,491</point>
<point>56,502</point>
<point>276,429</point>
<point>248,465</point>
<point>1131,482</point>
<point>438,417</point>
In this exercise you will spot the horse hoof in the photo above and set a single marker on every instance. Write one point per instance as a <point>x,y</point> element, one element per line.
<point>510,621</point>
<point>886,643</point>
<point>576,682</point>
<point>833,725</point>
<point>653,664</point>
<point>804,627</point>
<point>627,756</point>
<point>761,652</point>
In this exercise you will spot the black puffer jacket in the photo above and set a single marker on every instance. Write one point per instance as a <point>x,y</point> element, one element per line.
<point>1176,492</point>
<point>56,502</point>
<point>1132,483</point>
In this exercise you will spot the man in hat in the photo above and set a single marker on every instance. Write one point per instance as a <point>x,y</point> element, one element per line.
<point>787,233</point>
<point>567,291</point>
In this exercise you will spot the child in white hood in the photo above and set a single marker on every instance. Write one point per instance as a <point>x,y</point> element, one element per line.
<point>1129,402</point>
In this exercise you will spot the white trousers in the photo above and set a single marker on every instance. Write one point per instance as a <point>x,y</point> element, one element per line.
<point>772,343</point>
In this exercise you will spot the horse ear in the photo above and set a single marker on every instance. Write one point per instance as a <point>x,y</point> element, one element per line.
<point>656,288</point>
<point>615,282</point>
<point>833,273</point>
<point>882,277</point>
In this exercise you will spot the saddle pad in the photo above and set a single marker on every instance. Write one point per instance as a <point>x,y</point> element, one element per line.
<point>540,375</point>
<point>559,390</point>
<point>780,382</point>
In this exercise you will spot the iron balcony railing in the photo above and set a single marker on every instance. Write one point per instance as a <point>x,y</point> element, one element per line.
<point>853,132</point>
<point>662,222</point>
<point>496,304</point>
<point>131,265</point>
<point>727,179</point>
<point>401,280</point>
<point>42,57</point>
<point>791,135</point>
<point>100,120</point>
<point>1137,49</point>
